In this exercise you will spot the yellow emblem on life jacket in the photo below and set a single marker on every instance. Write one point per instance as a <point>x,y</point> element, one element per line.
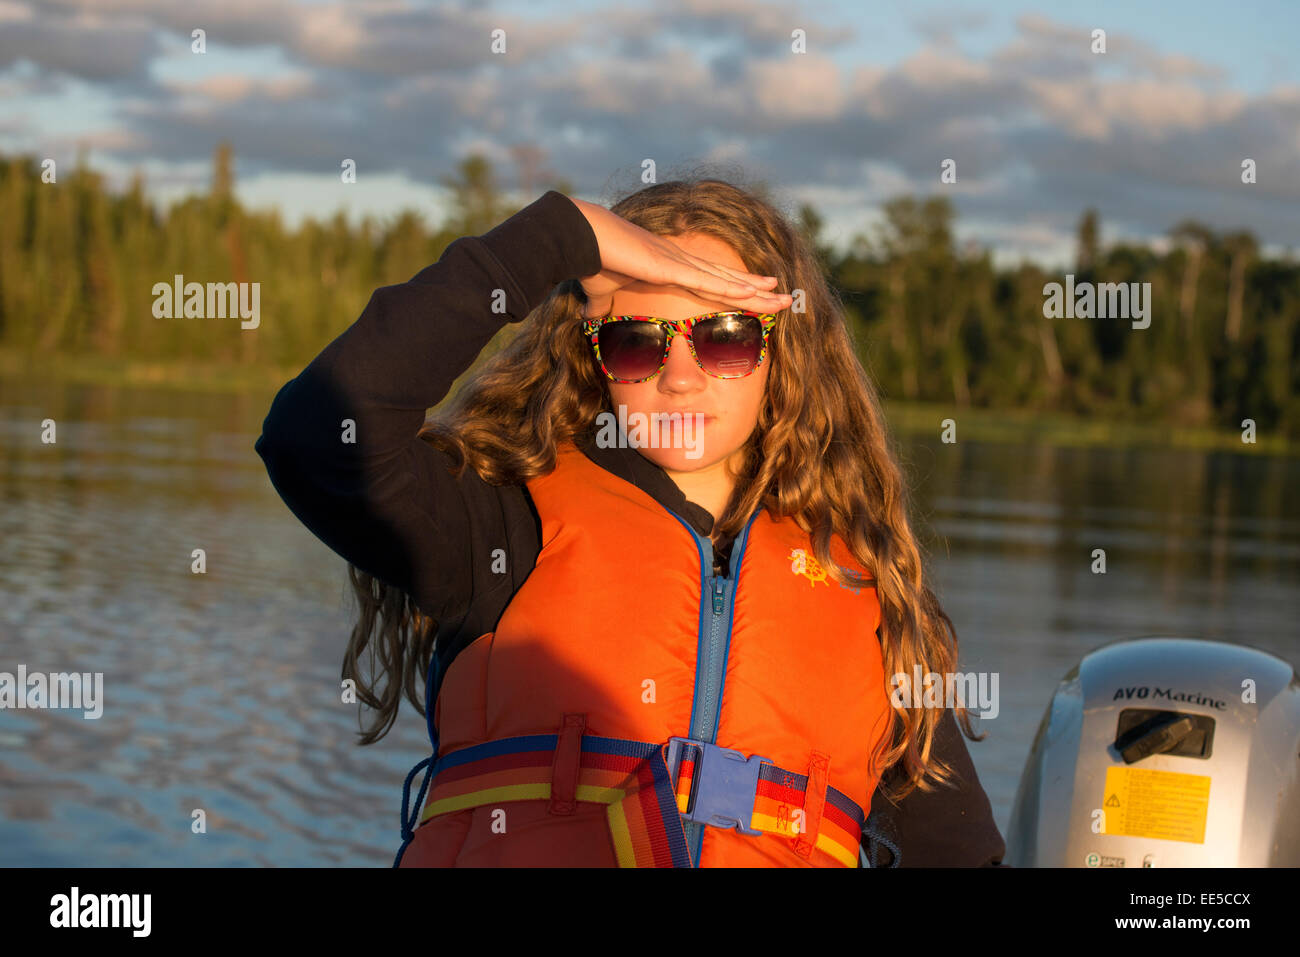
<point>804,564</point>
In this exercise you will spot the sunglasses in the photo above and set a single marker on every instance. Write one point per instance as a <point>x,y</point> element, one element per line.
<point>726,345</point>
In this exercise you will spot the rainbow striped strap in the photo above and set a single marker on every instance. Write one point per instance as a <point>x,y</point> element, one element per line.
<point>781,806</point>
<point>643,808</point>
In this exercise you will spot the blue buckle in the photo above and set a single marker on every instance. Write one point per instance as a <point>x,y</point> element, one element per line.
<point>723,787</point>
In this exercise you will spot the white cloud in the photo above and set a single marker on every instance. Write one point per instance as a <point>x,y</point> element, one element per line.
<point>797,88</point>
<point>1038,126</point>
<point>233,87</point>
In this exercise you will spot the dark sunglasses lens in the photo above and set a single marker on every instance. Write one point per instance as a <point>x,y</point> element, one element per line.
<point>729,345</point>
<point>631,349</point>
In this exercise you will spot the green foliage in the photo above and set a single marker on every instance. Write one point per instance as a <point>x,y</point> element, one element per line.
<point>938,325</point>
<point>932,322</point>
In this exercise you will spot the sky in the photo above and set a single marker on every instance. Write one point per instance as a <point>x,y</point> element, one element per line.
<point>1040,127</point>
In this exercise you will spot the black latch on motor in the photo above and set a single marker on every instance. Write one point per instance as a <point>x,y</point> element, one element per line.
<point>1142,732</point>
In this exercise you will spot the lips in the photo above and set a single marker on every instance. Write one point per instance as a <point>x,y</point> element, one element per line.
<point>690,412</point>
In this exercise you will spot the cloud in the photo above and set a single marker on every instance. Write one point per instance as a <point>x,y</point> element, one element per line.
<point>233,87</point>
<point>84,46</point>
<point>797,89</point>
<point>941,28</point>
<point>233,22</point>
<point>1040,128</point>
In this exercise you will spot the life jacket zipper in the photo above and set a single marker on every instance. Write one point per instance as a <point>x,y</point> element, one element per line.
<point>714,654</point>
<point>717,595</point>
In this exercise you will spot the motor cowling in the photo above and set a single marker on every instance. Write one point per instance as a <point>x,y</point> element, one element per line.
<point>1164,752</point>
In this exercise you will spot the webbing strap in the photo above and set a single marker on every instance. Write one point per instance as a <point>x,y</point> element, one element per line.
<point>781,807</point>
<point>631,778</point>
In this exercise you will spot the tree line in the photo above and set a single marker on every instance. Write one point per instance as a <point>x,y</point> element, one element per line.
<point>932,321</point>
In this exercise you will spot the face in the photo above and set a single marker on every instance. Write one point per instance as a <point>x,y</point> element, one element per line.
<point>730,406</point>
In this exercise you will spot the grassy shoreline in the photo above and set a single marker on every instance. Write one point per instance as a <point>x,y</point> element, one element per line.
<point>910,418</point>
<point>198,376</point>
<point>1057,428</point>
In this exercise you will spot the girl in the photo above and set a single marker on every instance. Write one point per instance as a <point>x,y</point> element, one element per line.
<point>658,611</point>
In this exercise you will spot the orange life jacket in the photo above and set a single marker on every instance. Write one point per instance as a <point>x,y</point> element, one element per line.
<point>633,709</point>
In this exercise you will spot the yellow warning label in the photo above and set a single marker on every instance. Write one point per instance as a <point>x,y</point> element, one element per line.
<point>1141,802</point>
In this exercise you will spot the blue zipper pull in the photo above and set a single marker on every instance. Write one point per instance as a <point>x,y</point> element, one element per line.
<point>718,592</point>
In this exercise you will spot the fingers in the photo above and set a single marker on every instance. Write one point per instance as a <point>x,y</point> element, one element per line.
<point>765,296</point>
<point>727,274</point>
<point>755,279</point>
<point>755,301</point>
<point>701,277</point>
<point>733,286</point>
<point>746,295</point>
<point>766,302</point>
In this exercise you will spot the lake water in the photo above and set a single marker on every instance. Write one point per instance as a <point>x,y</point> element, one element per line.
<point>221,691</point>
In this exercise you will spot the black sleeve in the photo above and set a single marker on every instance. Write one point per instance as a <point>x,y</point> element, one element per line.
<point>945,827</point>
<point>387,503</point>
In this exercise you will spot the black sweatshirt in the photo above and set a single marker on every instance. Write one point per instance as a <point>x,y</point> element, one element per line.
<point>388,504</point>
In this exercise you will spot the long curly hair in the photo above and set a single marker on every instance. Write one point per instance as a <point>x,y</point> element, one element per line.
<point>820,453</point>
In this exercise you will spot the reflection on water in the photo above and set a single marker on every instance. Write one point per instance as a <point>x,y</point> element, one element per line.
<point>221,691</point>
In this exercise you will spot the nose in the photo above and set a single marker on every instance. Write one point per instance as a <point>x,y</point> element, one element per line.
<point>680,372</point>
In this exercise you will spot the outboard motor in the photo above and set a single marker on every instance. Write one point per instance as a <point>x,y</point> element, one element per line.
<point>1164,752</point>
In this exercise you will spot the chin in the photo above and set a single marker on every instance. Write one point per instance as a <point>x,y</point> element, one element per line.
<point>675,460</point>
<point>685,459</point>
